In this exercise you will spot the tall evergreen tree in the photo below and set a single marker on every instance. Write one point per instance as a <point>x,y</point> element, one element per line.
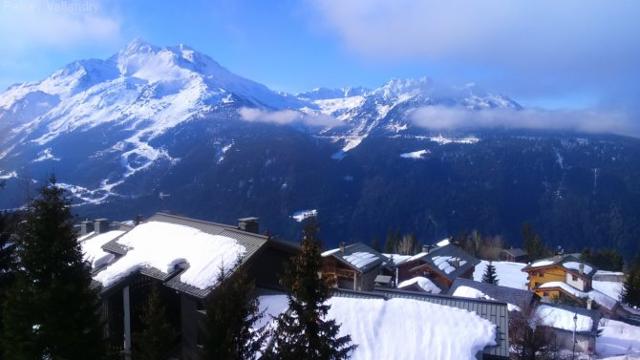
<point>490,276</point>
<point>51,311</point>
<point>156,339</point>
<point>232,313</point>
<point>631,289</point>
<point>7,261</point>
<point>304,332</point>
<point>532,243</point>
<point>391,243</point>
<point>375,244</point>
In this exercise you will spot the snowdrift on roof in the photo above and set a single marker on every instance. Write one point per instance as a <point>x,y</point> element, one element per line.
<point>410,329</point>
<point>166,246</point>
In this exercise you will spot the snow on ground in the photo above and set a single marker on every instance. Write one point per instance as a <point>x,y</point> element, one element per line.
<point>613,289</point>
<point>8,175</point>
<point>441,140</point>
<point>92,248</point>
<point>165,246</point>
<point>510,274</point>
<point>415,155</point>
<point>473,293</point>
<point>562,319</point>
<point>422,282</point>
<point>302,215</point>
<point>46,154</point>
<point>360,259</point>
<point>618,338</point>
<point>339,105</point>
<point>410,329</point>
<point>271,305</point>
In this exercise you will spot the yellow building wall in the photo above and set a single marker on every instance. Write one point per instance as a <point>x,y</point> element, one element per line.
<point>546,275</point>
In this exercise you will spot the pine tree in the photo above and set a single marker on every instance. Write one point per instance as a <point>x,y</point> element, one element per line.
<point>375,244</point>
<point>7,262</point>
<point>303,332</point>
<point>532,243</point>
<point>631,289</point>
<point>156,339</point>
<point>490,276</point>
<point>391,243</point>
<point>51,310</point>
<point>232,313</point>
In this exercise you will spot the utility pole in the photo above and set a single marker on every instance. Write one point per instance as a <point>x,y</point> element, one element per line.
<point>575,327</point>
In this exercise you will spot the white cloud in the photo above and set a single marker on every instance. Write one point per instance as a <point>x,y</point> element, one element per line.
<point>447,118</point>
<point>527,48</point>
<point>25,25</point>
<point>284,117</point>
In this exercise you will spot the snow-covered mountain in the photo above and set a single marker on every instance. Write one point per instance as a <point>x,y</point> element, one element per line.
<point>138,94</point>
<point>154,128</point>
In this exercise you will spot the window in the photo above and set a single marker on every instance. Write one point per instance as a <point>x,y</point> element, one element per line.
<point>545,294</point>
<point>574,278</point>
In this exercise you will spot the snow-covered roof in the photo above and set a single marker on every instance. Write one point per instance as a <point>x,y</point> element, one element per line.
<point>568,262</point>
<point>579,266</point>
<point>400,328</point>
<point>448,260</point>
<point>421,282</point>
<point>357,256</point>
<point>562,317</point>
<point>494,312</point>
<point>193,250</point>
<point>92,251</point>
<point>595,295</point>
<point>516,298</point>
<point>473,293</point>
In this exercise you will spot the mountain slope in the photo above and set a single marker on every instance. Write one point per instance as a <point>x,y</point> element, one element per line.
<point>155,128</point>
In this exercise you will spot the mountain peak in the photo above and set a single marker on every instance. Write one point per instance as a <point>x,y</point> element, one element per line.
<point>137,46</point>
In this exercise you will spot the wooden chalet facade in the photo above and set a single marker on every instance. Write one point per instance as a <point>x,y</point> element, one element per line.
<point>556,277</point>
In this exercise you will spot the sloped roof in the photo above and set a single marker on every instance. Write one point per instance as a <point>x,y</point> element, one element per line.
<point>251,242</point>
<point>494,311</point>
<point>449,261</point>
<point>509,295</point>
<point>570,263</point>
<point>594,315</point>
<point>358,256</point>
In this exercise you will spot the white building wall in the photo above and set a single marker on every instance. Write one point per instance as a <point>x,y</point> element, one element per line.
<point>578,284</point>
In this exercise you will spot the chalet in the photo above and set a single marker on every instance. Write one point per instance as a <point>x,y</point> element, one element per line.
<point>441,265</point>
<point>554,277</point>
<point>355,266</point>
<point>516,298</point>
<point>514,255</point>
<point>183,257</point>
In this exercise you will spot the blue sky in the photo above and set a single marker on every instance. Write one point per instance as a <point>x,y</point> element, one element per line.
<point>569,54</point>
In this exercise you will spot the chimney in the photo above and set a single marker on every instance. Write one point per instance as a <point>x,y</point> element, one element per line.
<point>342,247</point>
<point>589,304</point>
<point>100,225</point>
<point>426,248</point>
<point>86,227</point>
<point>581,267</point>
<point>249,224</point>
